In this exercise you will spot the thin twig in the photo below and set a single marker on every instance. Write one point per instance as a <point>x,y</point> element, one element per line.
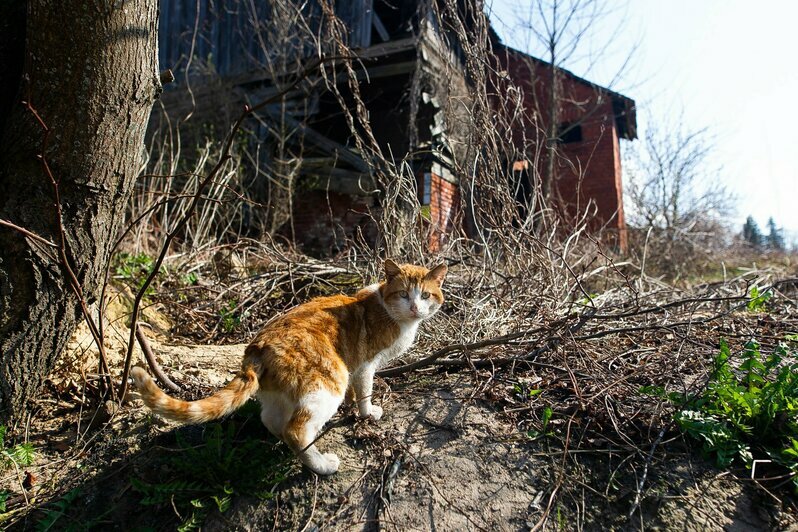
<point>153,363</point>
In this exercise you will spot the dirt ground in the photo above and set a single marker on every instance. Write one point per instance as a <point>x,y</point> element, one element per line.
<point>449,454</point>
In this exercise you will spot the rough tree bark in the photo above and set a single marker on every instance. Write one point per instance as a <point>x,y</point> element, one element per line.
<point>90,71</point>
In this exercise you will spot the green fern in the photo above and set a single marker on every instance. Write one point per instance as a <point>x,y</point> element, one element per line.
<point>21,454</point>
<point>4,495</point>
<point>58,510</point>
<point>194,522</point>
<point>207,476</point>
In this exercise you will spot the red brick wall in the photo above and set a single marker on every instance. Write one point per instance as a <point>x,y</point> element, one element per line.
<point>324,221</point>
<point>444,205</point>
<point>590,170</point>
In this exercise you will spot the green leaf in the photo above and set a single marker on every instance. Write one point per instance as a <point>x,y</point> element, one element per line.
<point>655,391</point>
<point>546,417</point>
<point>222,503</point>
<point>22,454</point>
<point>4,495</point>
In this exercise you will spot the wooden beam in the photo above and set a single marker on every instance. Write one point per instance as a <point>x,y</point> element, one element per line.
<point>380,27</point>
<point>389,47</point>
<point>384,71</point>
<point>320,141</point>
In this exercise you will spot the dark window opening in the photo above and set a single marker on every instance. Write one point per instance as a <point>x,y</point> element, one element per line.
<point>569,133</point>
<point>398,17</point>
<point>426,190</point>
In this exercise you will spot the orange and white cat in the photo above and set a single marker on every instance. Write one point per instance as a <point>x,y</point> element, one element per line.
<point>301,364</point>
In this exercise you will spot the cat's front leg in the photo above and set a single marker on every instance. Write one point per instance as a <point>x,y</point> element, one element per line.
<point>363,383</point>
<point>350,397</point>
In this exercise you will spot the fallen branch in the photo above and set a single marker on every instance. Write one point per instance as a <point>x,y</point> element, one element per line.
<point>550,343</point>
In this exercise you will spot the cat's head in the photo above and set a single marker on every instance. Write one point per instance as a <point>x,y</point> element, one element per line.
<point>412,292</point>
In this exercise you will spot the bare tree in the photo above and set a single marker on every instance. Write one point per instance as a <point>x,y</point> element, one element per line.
<point>70,151</point>
<point>673,183</point>
<point>565,33</point>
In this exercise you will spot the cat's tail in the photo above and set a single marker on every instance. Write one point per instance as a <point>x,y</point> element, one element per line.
<point>225,401</point>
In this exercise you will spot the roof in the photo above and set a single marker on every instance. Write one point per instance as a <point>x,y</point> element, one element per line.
<point>623,107</point>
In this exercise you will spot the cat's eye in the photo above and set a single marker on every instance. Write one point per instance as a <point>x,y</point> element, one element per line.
<point>403,294</point>
<point>425,295</point>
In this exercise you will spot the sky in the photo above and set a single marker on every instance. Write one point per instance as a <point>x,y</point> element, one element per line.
<point>730,66</point>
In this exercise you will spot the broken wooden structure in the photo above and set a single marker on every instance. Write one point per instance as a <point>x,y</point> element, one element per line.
<point>410,79</point>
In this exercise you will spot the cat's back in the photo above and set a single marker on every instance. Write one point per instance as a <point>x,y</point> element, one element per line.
<point>320,319</point>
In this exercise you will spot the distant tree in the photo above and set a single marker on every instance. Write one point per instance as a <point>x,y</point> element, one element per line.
<point>751,233</point>
<point>673,186</point>
<point>774,239</point>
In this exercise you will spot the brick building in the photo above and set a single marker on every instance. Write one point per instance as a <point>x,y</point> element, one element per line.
<point>590,122</point>
<point>410,72</point>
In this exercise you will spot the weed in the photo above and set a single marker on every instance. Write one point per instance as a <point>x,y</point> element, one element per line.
<point>587,301</point>
<point>757,299</point>
<point>544,423</point>
<point>134,269</point>
<point>21,455</point>
<point>745,414</point>
<point>206,476</point>
<point>561,524</point>
<point>230,318</point>
<point>59,509</point>
<point>189,279</point>
<point>523,391</point>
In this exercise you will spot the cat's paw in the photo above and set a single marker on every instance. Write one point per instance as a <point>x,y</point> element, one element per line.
<point>327,465</point>
<point>375,412</point>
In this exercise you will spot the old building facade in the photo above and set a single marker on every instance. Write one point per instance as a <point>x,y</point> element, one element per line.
<point>413,86</point>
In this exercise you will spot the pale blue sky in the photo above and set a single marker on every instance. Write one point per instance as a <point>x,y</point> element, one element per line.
<point>728,65</point>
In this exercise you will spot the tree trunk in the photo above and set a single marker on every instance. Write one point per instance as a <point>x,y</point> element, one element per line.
<point>551,134</point>
<point>90,71</point>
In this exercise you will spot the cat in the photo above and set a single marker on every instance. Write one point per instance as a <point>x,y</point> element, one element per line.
<point>303,363</point>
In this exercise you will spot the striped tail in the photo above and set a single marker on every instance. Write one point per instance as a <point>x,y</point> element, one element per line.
<point>225,401</point>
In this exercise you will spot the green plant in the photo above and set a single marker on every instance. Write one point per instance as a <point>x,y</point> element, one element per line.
<point>21,454</point>
<point>59,509</point>
<point>587,301</point>
<point>757,299</point>
<point>134,269</point>
<point>746,413</point>
<point>208,475</point>
<point>523,391</point>
<point>545,417</point>
<point>230,318</point>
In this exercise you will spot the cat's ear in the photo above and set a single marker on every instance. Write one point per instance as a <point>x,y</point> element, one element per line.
<point>438,273</point>
<point>391,269</point>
